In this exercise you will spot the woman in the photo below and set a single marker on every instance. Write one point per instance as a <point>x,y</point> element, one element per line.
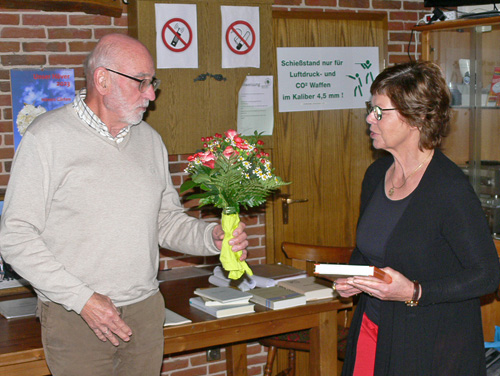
<point>420,221</point>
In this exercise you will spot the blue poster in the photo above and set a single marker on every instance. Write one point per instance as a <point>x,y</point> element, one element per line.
<point>37,91</point>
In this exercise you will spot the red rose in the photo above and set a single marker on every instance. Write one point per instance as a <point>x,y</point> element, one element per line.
<point>207,159</point>
<point>191,158</point>
<point>231,133</point>
<point>242,145</point>
<point>209,164</point>
<point>228,152</point>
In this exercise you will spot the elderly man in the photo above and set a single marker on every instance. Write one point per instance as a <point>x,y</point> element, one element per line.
<point>89,200</point>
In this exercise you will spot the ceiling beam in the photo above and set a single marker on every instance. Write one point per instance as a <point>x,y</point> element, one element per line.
<point>112,8</point>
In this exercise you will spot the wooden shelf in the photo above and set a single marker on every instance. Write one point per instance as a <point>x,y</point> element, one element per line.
<point>457,24</point>
<point>112,8</point>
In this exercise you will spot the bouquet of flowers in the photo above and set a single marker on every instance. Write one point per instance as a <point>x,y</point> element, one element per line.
<point>232,171</point>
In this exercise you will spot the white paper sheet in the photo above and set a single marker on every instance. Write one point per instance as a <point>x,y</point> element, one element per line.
<point>240,37</point>
<point>176,36</point>
<point>255,106</point>
<point>172,318</point>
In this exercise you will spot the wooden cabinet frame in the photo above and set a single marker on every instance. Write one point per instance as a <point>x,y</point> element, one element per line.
<point>186,110</point>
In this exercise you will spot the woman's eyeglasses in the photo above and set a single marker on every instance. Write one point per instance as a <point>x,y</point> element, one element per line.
<point>143,84</point>
<point>377,110</point>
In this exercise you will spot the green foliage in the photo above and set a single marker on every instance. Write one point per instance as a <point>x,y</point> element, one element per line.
<point>231,170</point>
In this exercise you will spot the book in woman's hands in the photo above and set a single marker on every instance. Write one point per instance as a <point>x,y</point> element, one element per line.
<point>344,270</point>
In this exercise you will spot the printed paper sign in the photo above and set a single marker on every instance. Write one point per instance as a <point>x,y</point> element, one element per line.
<point>325,78</point>
<point>240,37</point>
<point>255,106</point>
<point>37,91</point>
<point>176,36</point>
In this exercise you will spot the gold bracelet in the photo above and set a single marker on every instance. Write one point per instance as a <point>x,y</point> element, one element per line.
<point>416,291</point>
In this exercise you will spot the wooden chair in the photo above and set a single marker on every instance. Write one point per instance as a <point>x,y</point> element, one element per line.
<point>304,256</point>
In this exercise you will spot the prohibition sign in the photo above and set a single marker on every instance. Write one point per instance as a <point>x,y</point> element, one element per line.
<point>241,37</point>
<point>179,33</point>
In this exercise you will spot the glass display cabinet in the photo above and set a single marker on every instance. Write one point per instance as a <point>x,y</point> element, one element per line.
<point>468,51</point>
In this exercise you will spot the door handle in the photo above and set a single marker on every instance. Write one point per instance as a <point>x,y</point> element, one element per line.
<point>287,201</point>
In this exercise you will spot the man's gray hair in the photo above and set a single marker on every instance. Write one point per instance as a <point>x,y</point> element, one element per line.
<point>103,55</point>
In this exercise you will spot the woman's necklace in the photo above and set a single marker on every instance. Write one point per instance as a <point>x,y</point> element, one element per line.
<point>391,190</point>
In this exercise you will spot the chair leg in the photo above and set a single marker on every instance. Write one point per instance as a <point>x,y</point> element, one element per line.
<point>271,353</point>
<point>291,362</point>
<point>290,371</point>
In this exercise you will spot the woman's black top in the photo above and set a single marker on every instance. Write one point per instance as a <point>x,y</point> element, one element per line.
<point>374,228</point>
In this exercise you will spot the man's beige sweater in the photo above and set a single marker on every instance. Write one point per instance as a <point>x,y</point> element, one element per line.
<point>83,214</point>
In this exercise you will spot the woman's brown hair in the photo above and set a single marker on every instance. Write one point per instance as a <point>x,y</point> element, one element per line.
<point>419,92</point>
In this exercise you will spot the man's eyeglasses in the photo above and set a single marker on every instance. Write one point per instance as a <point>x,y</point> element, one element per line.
<point>377,110</point>
<point>144,84</point>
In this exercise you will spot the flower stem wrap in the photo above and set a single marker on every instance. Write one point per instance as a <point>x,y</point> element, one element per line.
<point>231,260</point>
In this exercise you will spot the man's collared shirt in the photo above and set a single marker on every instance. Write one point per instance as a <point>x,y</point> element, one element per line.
<point>91,119</point>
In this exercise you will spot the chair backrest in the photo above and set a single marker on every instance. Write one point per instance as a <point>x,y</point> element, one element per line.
<point>302,254</point>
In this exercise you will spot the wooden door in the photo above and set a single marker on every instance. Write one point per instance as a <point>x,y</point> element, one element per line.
<point>323,153</point>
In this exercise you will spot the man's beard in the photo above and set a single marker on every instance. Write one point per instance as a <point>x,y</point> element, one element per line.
<point>120,105</point>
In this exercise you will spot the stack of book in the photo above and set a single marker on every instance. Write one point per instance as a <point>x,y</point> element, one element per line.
<point>277,297</point>
<point>222,301</point>
<point>313,288</point>
<point>273,273</point>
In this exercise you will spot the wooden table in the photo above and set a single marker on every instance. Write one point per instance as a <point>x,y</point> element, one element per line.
<point>21,351</point>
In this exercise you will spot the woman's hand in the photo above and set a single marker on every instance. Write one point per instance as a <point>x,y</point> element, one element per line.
<point>400,289</point>
<point>344,288</point>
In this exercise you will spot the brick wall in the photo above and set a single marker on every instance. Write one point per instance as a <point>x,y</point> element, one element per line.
<point>35,39</point>
<point>401,16</point>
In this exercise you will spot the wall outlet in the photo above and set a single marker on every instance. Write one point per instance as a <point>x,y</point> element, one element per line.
<point>448,16</point>
<point>213,354</point>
